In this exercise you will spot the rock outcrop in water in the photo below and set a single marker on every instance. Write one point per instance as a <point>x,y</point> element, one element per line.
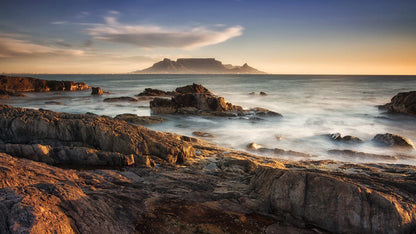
<point>195,99</point>
<point>404,103</point>
<point>197,66</point>
<point>214,191</point>
<point>29,84</point>
<point>392,140</point>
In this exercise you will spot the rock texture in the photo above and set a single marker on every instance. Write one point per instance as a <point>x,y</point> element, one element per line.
<point>97,134</point>
<point>155,93</point>
<point>197,66</point>
<point>143,120</point>
<point>97,91</point>
<point>393,140</point>
<point>337,137</point>
<point>29,84</point>
<point>195,99</point>
<point>214,190</point>
<point>120,99</point>
<point>404,103</point>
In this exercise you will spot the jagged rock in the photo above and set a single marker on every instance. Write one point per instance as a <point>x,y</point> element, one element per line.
<point>404,103</point>
<point>120,99</point>
<point>202,134</point>
<point>63,155</point>
<point>344,139</point>
<point>195,99</point>
<point>143,120</point>
<point>336,204</point>
<point>393,140</point>
<point>155,93</point>
<point>261,149</point>
<point>6,94</point>
<point>97,91</point>
<point>26,126</point>
<point>29,84</point>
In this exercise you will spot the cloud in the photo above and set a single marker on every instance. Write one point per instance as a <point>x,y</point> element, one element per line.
<point>152,36</point>
<point>59,22</point>
<point>10,46</point>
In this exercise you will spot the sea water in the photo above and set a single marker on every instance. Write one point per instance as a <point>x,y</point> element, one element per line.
<point>312,106</point>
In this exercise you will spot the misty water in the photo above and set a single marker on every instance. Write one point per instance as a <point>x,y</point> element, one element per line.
<point>311,105</point>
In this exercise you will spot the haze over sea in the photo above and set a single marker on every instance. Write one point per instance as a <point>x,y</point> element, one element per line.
<point>311,105</point>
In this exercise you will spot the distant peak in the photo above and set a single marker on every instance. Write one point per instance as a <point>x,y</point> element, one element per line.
<point>197,66</point>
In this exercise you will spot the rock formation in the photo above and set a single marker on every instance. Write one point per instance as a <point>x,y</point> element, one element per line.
<point>337,137</point>
<point>29,84</point>
<point>213,190</point>
<point>197,66</point>
<point>97,91</point>
<point>143,120</point>
<point>392,140</point>
<point>195,99</point>
<point>120,99</point>
<point>97,134</point>
<point>404,103</point>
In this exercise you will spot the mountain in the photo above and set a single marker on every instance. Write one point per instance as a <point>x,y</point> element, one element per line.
<point>197,66</point>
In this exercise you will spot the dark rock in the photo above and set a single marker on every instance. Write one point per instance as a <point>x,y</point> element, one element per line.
<point>261,149</point>
<point>143,120</point>
<point>197,100</point>
<point>362,155</point>
<point>202,134</point>
<point>263,94</point>
<point>120,99</point>
<point>155,93</point>
<point>404,103</point>
<point>192,89</point>
<point>29,84</point>
<point>392,140</point>
<point>54,103</point>
<point>6,94</point>
<point>346,139</point>
<point>252,93</point>
<point>263,112</point>
<point>97,91</point>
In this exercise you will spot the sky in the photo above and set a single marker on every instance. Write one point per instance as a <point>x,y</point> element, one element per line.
<point>276,36</point>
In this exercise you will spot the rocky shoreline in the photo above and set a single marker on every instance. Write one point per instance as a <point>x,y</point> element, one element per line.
<point>172,183</point>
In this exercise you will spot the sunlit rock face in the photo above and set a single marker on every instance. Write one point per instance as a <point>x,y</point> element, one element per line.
<point>404,103</point>
<point>29,84</point>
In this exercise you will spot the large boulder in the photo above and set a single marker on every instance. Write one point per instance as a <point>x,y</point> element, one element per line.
<point>28,127</point>
<point>97,91</point>
<point>149,92</point>
<point>30,84</point>
<point>337,137</point>
<point>392,140</point>
<point>404,103</point>
<point>195,99</point>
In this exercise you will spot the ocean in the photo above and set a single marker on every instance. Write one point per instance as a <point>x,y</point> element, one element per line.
<point>312,106</point>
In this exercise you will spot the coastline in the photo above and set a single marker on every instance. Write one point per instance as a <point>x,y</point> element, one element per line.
<point>253,193</point>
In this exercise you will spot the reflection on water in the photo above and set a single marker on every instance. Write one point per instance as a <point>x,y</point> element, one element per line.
<point>311,105</point>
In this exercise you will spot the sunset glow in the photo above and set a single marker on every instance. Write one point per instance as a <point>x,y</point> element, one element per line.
<point>281,37</point>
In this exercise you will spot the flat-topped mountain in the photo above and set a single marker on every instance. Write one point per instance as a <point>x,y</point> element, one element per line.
<point>197,66</point>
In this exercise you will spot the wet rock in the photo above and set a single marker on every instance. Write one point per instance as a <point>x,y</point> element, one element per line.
<point>120,99</point>
<point>263,112</point>
<point>155,93</point>
<point>263,94</point>
<point>26,126</point>
<point>337,137</point>
<point>361,155</point>
<point>97,91</point>
<point>29,84</point>
<point>53,103</point>
<point>404,103</point>
<point>276,151</point>
<point>197,100</point>
<point>392,140</point>
<point>143,120</point>
<point>252,93</point>
<point>202,134</point>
